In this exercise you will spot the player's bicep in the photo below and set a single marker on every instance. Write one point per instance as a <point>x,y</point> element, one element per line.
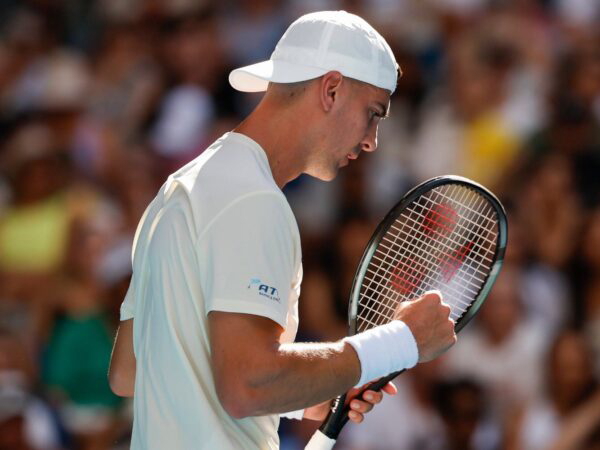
<point>242,345</point>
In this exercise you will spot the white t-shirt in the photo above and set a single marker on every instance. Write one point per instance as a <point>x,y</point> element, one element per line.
<point>219,236</point>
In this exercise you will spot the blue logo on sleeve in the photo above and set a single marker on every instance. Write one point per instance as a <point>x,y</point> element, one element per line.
<point>265,290</point>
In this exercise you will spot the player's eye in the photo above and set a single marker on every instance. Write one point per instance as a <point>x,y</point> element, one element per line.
<point>374,115</point>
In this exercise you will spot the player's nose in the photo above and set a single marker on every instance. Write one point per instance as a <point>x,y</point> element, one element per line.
<point>369,142</point>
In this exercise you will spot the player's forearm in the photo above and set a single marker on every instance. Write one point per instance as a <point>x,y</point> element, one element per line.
<point>293,376</point>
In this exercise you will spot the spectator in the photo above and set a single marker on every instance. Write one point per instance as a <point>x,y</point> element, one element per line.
<point>79,385</point>
<point>569,410</point>
<point>462,406</point>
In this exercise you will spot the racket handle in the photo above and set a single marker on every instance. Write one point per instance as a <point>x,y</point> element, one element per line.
<point>319,441</point>
<point>379,384</point>
<point>343,418</point>
<point>326,436</point>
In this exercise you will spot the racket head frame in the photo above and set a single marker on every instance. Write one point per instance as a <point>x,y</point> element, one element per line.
<point>394,213</point>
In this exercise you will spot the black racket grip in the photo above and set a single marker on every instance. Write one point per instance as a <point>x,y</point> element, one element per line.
<point>338,416</point>
<point>379,384</point>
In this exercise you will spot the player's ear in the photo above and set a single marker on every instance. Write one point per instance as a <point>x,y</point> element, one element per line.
<point>329,89</point>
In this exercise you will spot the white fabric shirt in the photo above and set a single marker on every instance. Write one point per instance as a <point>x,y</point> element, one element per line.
<point>219,236</point>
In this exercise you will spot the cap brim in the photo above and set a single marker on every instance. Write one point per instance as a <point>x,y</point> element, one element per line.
<point>256,77</point>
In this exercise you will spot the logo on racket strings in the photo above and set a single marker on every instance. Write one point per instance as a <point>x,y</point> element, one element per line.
<point>452,261</point>
<point>407,276</point>
<point>264,289</point>
<point>439,221</point>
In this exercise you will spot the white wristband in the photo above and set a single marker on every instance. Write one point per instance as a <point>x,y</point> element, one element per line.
<point>296,415</point>
<point>384,349</point>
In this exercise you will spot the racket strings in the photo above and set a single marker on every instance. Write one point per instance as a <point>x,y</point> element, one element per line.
<point>414,254</point>
<point>427,278</point>
<point>448,259</point>
<point>429,227</point>
<point>417,218</point>
<point>441,250</point>
<point>444,240</point>
<point>425,266</point>
<point>412,265</point>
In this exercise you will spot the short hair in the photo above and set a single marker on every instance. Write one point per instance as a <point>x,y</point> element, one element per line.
<point>289,91</point>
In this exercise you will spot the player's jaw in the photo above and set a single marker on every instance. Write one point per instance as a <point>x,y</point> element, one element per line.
<point>329,166</point>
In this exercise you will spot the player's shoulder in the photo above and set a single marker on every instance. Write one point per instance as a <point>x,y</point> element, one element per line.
<point>234,165</point>
<point>234,170</point>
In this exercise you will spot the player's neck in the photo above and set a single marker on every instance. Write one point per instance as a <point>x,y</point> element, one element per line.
<point>281,138</point>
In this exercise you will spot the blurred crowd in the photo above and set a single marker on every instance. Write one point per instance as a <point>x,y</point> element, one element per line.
<point>101,99</point>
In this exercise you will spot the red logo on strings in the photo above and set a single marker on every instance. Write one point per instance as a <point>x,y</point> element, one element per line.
<point>441,219</point>
<point>451,262</point>
<point>406,277</point>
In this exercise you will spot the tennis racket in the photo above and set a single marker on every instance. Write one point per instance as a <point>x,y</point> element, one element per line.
<point>448,233</point>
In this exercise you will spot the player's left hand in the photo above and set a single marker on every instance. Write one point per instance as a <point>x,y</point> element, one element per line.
<point>358,407</point>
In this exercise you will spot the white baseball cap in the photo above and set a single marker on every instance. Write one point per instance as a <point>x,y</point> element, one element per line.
<point>320,42</point>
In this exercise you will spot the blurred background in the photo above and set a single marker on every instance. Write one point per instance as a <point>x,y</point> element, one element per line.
<point>101,99</point>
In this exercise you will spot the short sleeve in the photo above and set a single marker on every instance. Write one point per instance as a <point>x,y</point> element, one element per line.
<point>126,311</point>
<point>247,257</point>
<point>128,304</point>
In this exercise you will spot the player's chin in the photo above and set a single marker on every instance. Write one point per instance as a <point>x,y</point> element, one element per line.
<point>334,173</point>
<point>327,174</point>
<point>328,177</point>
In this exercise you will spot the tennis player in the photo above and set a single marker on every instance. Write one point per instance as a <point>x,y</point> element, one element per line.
<point>205,344</point>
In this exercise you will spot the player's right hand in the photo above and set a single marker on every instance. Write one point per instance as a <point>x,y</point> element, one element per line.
<point>428,318</point>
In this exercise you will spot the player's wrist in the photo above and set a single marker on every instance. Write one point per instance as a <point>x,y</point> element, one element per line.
<point>384,349</point>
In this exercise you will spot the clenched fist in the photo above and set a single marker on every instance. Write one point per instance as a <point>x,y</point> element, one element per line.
<point>428,318</point>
